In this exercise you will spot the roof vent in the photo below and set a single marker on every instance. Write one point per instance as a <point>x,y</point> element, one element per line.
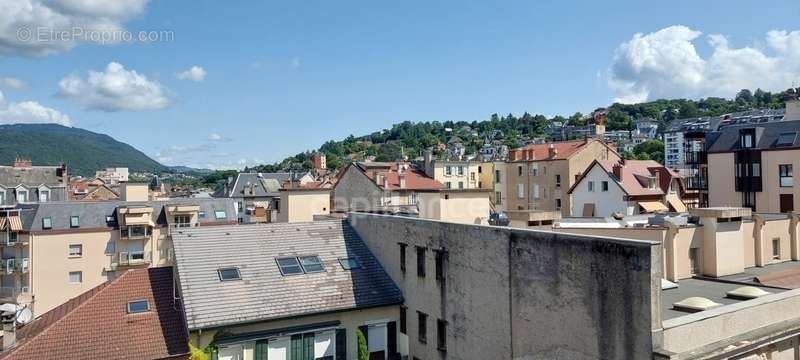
<point>747,293</point>
<point>695,304</point>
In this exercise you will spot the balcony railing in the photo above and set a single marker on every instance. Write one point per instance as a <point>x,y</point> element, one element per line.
<point>11,239</point>
<point>696,157</point>
<point>14,265</point>
<point>129,258</point>
<point>178,226</point>
<point>12,293</point>
<point>696,183</point>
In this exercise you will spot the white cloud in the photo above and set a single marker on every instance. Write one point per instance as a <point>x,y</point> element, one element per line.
<point>666,64</point>
<point>30,112</point>
<point>215,137</point>
<point>28,27</point>
<point>115,89</point>
<point>195,73</point>
<point>12,83</point>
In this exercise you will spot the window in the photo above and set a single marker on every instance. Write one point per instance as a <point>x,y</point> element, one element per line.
<point>694,260</point>
<point>673,186</point>
<point>746,139</point>
<point>535,170</point>
<point>75,277</point>
<point>558,181</point>
<point>403,257</point>
<point>460,171</point>
<point>461,185</point>
<point>519,170</point>
<point>349,263</point>
<point>229,274</point>
<point>591,186</point>
<point>520,191</point>
<point>220,214</point>
<point>441,257</point>
<point>311,264</point>
<point>558,204</point>
<point>479,169</point>
<point>756,169</point>
<point>498,198</point>
<point>776,248</point>
<point>785,173</point>
<point>75,250</point>
<point>496,176</point>
<point>22,196</point>
<point>289,266</point>
<point>182,220</point>
<point>604,186</point>
<point>448,170</point>
<point>651,183</point>
<point>403,310</point>
<point>420,261</point>
<point>422,328</point>
<point>47,223</point>
<point>44,195</point>
<point>138,306</point>
<point>74,221</point>
<point>535,191</point>
<point>441,334</point>
<point>786,139</point>
<point>201,214</point>
<point>472,176</point>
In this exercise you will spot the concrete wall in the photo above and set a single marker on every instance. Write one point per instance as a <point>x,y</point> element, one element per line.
<point>521,294</point>
<point>356,191</point>
<point>302,206</point>
<point>721,181</point>
<point>468,207</point>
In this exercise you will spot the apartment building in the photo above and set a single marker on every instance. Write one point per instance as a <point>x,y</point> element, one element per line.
<point>470,206</point>
<point>499,178</point>
<point>381,187</point>
<point>257,195</point>
<point>626,187</point>
<point>24,183</point>
<point>55,251</point>
<point>287,291</point>
<point>113,175</point>
<point>539,175</point>
<point>752,166</point>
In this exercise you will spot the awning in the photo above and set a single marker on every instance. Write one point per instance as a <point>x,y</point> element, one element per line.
<point>588,210</point>
<point>14,223</point>
<point>676,203</point>
<point>652,206</point>
<point>3,222</point>
<point>138,219</point>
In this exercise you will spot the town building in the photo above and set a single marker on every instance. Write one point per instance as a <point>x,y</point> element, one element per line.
<point>470,206</point>
<point>287,291</point>
<point>113,175</point>
<point>457,174</point>
<point>133,316</point>
<point>626,187</point>
<point>647,127</point>
<point>539,175</point>
<point>55,251</point>
<point>381,187</point>
<point>257,194</point>
<point>25,183</point>
<point>319,161</point>
<point>303,204</point>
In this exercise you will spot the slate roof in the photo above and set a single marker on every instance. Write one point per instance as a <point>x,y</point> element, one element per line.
<point>767,134</point>
<point>93,213</point>
<point>96,324</point>
<point>263,293</point>
<point>264,184</point>
<point>31,176</point>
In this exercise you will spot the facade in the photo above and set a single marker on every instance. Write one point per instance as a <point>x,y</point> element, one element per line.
<point>381,187</point>
<point>113,175</point>
<point>752,166</point>
<point>626,187</point>
<point>62,249</point>
<point>257,194</point>
<point>287,291</point>
<point>303,204</point>
<point>130,317</point>
<point>538,176</point>
<point>24,183</point>
<point>470,206</point>
<point>319,161</point>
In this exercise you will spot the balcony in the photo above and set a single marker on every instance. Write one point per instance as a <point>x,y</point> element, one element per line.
<point>179,226</point>
<point>129,259</point>
<point>15,294</point>
<point>14,266</point>
<point>696,183</point>
<point>135,232</point>
<point>696,158</point>
<point>12,239</point>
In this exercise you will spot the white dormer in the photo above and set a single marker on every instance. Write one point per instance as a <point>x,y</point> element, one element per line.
<point>3,195</point>
<point>45,194</point>
<point>23,194</point>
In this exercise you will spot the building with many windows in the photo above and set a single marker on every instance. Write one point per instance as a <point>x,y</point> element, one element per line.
<point>381,187</point>
<point>24,183</point>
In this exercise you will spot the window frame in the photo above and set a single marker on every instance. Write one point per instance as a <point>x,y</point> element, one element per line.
<point>49,221</point>
<point>785,171</point>
<point>75,255</point>
<point>297,264</point>
<point>80,277</point>
<point>352,263</point>
<point>776,250</point>
<point>604,186</point>
<point>441,335</point>
<point>132,311</point>
<point>217,214</point>
<point>403,247</point>
<point>422,327</point>
<point>225,269</point>
<point>420,252</point>
<point>590,186</point>
<point>318,262</point>
<point>440,256</point>
<point>74,221</point>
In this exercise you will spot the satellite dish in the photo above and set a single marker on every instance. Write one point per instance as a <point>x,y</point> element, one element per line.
<point>24,316</point>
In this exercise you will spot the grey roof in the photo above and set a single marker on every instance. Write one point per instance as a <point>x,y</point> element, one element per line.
<point>727,139</point>
<point>93,213</point>
<point>264,184</point>
<point>31,176</point>
<point>709,289</point>
<point>263,293</point>
<point>714,123</point>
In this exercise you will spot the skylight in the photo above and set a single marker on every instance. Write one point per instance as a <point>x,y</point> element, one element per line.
<point>311,264</point>
<point>138,306</point>
<point>289,266</point>
<point>349,263</point>
<point>786,138</point>
<point>229,274</point>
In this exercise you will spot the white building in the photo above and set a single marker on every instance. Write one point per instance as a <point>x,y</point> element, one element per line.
<point>112,175</point>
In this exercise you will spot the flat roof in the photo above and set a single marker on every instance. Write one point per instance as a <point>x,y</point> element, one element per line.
<point>713,290</point>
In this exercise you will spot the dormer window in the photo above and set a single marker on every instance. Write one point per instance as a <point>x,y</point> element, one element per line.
<point>746,138</point>
<point>651,183</point>
<point>22,195</point>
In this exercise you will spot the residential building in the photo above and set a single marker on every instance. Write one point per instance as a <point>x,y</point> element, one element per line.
<point>499,177</point>
<point>457,174</point>
<point>381,187</point>
<point>25,183</point>
<point>113,175</point>
<point>133,316</point>
<point>470,206</point>
<point>257,194</point>
<point>319,161</point>
<point>287,291</point>
<point>539,175</point>
<point>647,127</point>
<point>752,166</point>
<point>62,249</point>
<point>626,187</point>
<point>303,204</point>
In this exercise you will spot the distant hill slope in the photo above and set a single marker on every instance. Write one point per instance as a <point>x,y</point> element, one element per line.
<point>83,151</point>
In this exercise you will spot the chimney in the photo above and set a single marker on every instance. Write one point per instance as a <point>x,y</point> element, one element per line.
<point>9,329</point>
<point>427,156</point>
<point>402,179</point>
<point>22,163</point>
<point>551,151</point>
<point>618,171</point>
<point>792,105</point>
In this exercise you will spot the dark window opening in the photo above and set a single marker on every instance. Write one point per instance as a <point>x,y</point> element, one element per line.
<point>403,257</point>
<point>441,334</point>
<point>422,328</point>
<point>229,274</point>
<point>420,261</point>
<point>403,310</point>
<point>441,257</point>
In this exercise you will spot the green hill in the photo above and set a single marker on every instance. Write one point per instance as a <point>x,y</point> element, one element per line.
<point>83,151</point>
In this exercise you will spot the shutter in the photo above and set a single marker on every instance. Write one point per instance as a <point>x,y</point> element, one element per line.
<point>341,344</point>
<point>297,347</point>
<point>391,340</point>
<point>308,346</point>
<point>261,350</point>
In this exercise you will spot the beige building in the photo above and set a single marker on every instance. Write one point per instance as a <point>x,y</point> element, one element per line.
<point>391,187</point>
<point>63,249</point>
<point>470,206</point>
<point>303,204</point>
<point>539,175</point>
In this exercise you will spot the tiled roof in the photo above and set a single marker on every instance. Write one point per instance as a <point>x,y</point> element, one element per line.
<point>634,176</point>
<point>263,293</point>
<point>563,149</point>
<point>96,325</point>
<point>415,179</point>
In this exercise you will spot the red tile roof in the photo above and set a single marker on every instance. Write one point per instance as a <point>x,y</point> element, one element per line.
<point>563,150</point>
<point>634,176</point>
<point>96,325</point>
<point>415,179</point>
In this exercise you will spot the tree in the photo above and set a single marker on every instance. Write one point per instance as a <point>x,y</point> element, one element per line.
<point>363,350</point>
<point>576,120</point>
<point>744,97</point>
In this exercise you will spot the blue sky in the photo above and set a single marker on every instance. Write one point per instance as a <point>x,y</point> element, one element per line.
<point>283,77</point>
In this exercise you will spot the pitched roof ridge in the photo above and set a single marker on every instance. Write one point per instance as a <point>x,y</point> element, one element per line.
<point>100,289</point>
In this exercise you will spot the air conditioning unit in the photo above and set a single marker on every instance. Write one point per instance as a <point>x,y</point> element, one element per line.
<point>10,265</point>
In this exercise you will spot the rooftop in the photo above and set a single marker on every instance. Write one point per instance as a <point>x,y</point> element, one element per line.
<point>713,290</point>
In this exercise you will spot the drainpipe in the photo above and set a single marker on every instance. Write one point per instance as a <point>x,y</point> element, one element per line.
<point>758,239</point>
<point>794,245</point>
